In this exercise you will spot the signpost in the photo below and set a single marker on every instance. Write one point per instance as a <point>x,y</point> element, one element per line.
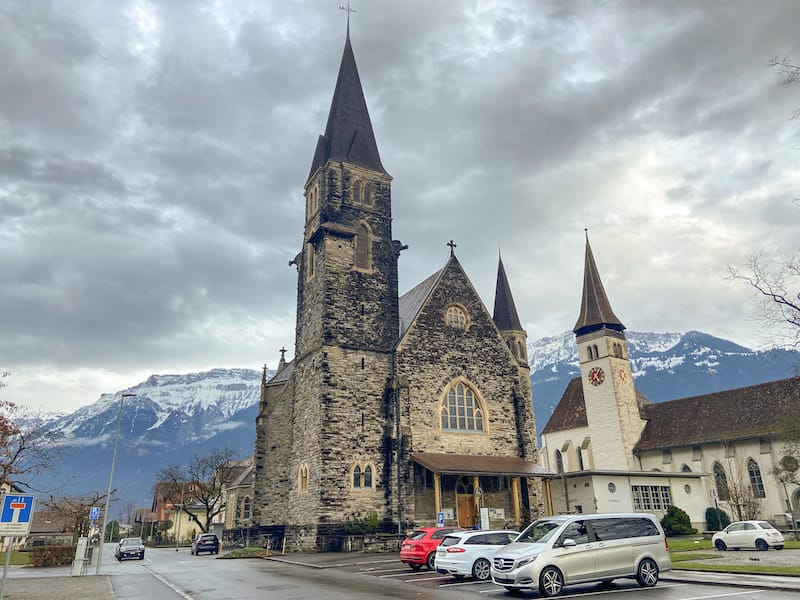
<point>16,514</point>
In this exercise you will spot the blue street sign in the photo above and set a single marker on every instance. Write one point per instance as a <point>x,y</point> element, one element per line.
<point>16,514</point>
<point>94,513</point>
<point>440,519</point>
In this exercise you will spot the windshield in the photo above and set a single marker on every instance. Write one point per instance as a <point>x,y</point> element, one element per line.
<point>539,532</point>
<point>131,542</point>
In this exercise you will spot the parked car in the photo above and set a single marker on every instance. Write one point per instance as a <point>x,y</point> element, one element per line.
<point>419,547</point>
<point>556,551</point>
<point>205,542</point>
<point>748,534</point>
<point>465,553</point>
<point>129,548</point>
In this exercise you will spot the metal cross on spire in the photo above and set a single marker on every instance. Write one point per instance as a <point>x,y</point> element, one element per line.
<point>452,245</point>
<point>348,10</point>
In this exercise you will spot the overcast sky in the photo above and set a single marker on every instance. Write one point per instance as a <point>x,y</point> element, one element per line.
<point>153,156</point>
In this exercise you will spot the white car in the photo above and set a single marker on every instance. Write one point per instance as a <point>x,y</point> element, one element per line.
<point>748,534</point>
<point>465,553</point>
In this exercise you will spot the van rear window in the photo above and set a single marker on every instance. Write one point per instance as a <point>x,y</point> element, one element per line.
<point>618,529</point>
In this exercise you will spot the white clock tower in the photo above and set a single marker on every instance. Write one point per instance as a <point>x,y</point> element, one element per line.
<point>612,409</point>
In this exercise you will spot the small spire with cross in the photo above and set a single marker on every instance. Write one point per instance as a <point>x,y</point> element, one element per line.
<point>452,245</point>
<point>348,10</point>
<point>282,362</point>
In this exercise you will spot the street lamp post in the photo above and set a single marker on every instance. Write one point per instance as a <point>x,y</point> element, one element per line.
<point>110,478</point>
<point>180,512</point>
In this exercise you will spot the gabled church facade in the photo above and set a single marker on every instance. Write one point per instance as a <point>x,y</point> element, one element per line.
<point>414,410</point>
<point>613,450</point>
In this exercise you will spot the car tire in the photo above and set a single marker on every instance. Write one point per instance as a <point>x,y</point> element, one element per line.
<point>141,556</point>
<point>778,547</point>
<point>762,545</point>
<point>430,561</point>
<point>720,545</point>
<point>480,569</point>
<point>414,566</point>
<point>551,582</point>
<point>647,573</point>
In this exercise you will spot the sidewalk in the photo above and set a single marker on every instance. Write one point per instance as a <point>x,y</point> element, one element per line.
<point>94,587</point>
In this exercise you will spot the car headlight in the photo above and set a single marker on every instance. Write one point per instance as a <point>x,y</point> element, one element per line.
<point>527,560</point>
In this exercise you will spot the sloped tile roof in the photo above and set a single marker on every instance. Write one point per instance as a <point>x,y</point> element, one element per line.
<point>754,411</point>
<point>474,464</point>
<point>596,310</point>
<point>505,312</point>
<point>283,375</point>
<point>411,302</point>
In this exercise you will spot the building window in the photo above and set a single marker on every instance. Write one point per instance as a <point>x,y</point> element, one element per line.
<point>612,487</point>
<point>362,477</point>
<point>730,449</point>
<point>687,489</point>
<point>366,194</point>
<point>697,453</point>
<point>650,498</point>
<point>456,317</point>
<point>357,191</point>
<point>309,261</point>
<point>756,483</point>
<point>580,458</point>
<point>302,477</point>
<point>363,250</point>
<point>559,462</point>
<point>461,410</point>
<point>765,445</point>
<point>721,481</point>
<point>666,457</point>
<point>246,509</point>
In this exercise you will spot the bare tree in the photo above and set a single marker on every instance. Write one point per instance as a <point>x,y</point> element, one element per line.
<point>197,488</point>
<point>779,287</point>
<point>737,490</point>
<point>25,449</point>
<point>75,510</point>
<point>790,74</point>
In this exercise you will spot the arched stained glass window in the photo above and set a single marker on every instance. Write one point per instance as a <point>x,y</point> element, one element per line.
<point>559,462</point>
<point>756,483</point>
<point>357,477</point>
<point>367,476</point>
<point>721,481</point>
<point>461,410</point>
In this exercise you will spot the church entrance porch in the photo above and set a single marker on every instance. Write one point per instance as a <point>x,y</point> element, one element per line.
<point>458,486</point>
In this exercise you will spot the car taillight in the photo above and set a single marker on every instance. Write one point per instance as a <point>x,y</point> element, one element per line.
<point>455,549</point>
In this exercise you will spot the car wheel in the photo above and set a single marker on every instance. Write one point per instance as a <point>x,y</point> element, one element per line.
<point>141,556</point>
<point>480,570</point>
<point>762,545</point>
<point>647,573</point>
<point>429,562</point>
<point>414,566</point>
<point>720,545</point>
<point>551,581</point>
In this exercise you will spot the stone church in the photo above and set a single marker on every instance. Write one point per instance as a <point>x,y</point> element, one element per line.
<point>412,410</point>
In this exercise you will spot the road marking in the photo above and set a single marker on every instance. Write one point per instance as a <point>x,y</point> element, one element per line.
<point>174,588</point>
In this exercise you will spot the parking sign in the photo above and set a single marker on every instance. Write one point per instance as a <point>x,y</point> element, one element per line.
<point>16,514</point>
<point>94,513</point>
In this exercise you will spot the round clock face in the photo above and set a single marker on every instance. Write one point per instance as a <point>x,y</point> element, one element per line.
<point>596,376</point>
<point>623,375</point>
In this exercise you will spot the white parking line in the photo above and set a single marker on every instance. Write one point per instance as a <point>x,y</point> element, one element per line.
<point>584,593</point>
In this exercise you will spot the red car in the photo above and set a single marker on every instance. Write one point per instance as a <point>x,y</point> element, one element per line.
<point>419,548</point>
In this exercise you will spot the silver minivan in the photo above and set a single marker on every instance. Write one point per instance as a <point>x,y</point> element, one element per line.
<point>562,550</point>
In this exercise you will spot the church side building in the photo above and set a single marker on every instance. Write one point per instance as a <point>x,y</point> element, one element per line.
<point>613,450</point>
<point>414,409</point>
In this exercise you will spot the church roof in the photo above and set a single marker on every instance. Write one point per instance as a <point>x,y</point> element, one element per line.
<point>505,312</point>
<point>753,411</point>
<point>570,412</point>
<point>348,134</point>
<point>475,464</point>
<point>596,311</point>
<point>283,375</point>
<point>411,302</point>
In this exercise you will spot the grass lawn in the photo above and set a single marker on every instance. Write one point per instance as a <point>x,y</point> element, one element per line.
<point>17,558</point>
<point>684,553</point>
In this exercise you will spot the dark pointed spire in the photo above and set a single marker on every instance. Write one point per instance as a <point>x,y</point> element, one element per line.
<point>596,310</point>
<point>505,313</point>
<point>348,134</point>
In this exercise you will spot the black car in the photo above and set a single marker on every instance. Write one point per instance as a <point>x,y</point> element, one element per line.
<point>205,542</point>
<point>129,548</point>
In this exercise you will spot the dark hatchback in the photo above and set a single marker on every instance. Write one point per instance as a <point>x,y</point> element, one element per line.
<point>205,542</point>
<point>129,548</point>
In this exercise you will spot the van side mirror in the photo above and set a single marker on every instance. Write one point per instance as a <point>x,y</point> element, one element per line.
<point>568,542</point>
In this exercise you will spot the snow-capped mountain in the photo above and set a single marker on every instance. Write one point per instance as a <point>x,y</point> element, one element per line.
<point>666,366</point>
<point>170,418</point>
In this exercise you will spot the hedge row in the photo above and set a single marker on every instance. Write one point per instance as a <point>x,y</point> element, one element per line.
<point>51,556</point>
